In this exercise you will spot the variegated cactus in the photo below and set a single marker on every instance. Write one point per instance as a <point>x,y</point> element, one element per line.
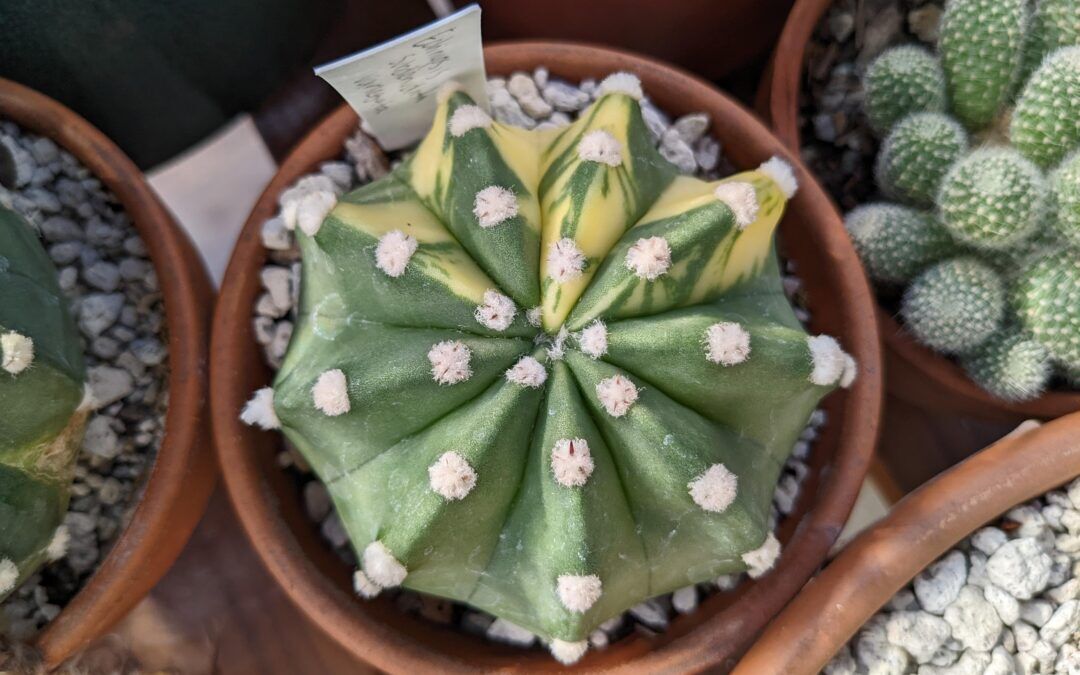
<point>42,401</point>
<point>542,374</point>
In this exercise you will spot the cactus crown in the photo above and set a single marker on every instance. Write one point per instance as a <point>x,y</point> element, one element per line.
<point>1013,80</point>
<point>542,374</point>
<point>42,398</point>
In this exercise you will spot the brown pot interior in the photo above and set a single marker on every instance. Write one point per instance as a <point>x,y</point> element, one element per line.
<point>916,374</point>
<point>918,530</point>
<point>269,505</point>
<point>179,484</point>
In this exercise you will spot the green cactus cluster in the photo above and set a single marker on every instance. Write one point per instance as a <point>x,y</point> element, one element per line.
<point>542,374</point>
<point>980,154</point>
<point>42,396</point>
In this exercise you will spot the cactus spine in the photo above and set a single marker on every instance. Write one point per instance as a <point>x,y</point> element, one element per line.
<point>42,398</point>
<point>554,466</point>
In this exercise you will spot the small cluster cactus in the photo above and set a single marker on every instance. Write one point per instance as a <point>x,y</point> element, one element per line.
<point>42,396</point>
<point>981,152</point>
<point>542,374</point>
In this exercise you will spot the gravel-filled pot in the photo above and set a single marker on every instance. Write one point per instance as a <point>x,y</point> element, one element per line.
<point>1024,560</point>
<point>937,414</point>
<point>271,507</point>
<point>170,496</point>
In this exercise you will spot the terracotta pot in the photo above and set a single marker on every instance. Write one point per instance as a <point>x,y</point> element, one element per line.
<point>270,507</point>
<point>918,530</point>
<point>936,415</point>
<point>179,484</point>
<point>712,38</point>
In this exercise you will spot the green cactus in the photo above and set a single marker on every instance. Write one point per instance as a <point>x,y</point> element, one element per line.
<point>901,81</point>
<point>1047,299</point>
<point>1011,366</point>
<point>993,199</point>
<point>916,155</point>
<point>896,242</point>
<point>42,398</point>
<point>1054,24</point>
<point>1064,199</point>
<point>981,47</point>
<point>1046,122</point>
<point>561,381</point>
<point>955,305</point>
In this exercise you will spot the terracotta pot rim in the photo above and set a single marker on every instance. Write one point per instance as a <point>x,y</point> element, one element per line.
<point>919,529</point>
<point>779,100</point>
<point>335,611</point>
<point>179,483</point>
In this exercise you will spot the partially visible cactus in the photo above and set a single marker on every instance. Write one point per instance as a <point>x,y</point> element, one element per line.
<point>916,155</point>
<point>1065,199</point>
<point>1048,302</point>
<point>993,198</point>
<point>1046,122</point>
<point>542,374</point>
<point>981,47</point>
<point>896,242</point>
<point>901,81</point>
<point>42,402</point>
<point>955,305</point>
<point>1011,366</point>
<point>1054,24</point>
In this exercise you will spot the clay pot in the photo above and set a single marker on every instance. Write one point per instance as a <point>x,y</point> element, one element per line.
<point>713,38</point>
<point>270,507</point>
<point>936,415</point>
<point>918,530</point>
<point>179,484</point>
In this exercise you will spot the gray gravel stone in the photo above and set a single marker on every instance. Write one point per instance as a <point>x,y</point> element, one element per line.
<point>921,634</point>
<point>504,631</point>
<point>565,97</point>
<point>99,311</point>
<point>108,384</point>
<point>974,621</point>
<point>938,585</point>
<point>1020,567</point>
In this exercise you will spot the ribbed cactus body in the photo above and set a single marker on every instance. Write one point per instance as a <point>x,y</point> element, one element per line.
<point>1011,366</point>
<point>1046,122</point>
<point>981,47</point>
<point>901,81</point>
<point>41,389</point>
<point>916,155</point>
<point>993,198</point>
<point>541,374</point>
<point>896,242</point>
<point>1064,211</point>
<point>955,306</point>
<point>1048,302</point>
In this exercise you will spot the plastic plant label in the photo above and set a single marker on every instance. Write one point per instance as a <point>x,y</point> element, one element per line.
<point>393,86</point>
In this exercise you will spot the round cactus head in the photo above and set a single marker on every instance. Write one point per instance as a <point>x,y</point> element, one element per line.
<point>1011,366</point>
<point>993,198</point>
<point>896,242</point>
<point>540,373</point>
<point>955,305</point>
<point>981,46</point>
<point>901,81</point>
<point>1047,299</point>
<point>42,399</point>
<point>1054,24</point>
<point>1065,199</point>
<point>916,155</point>
<point>1046,122</point>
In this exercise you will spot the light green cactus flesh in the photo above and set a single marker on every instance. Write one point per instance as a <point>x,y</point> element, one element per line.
<point>1011,366</point>
<point>896,242</point>
<point>1048,302</point>
<point>916,155</point>
<point>543,375</point>
<point>41,391</point>
<point>1065,199</point>
<point>981,47</point>
<point>1046,122</point>
<point>955,306</point>
<point>901,81</point>
<point>1054,24</point>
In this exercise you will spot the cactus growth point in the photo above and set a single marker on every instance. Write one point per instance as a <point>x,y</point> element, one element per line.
<point>981,47</point>
<point>901,81</point>
<point>1065,199</point>
<point>556,467</point>
<point>1046,121</point>
<point>916,155</point>
<point>1011,366</point>
<point>993,198</point>
<point>42,399</point>
<point>955,305</point>
<point>1048,302</point>
<point>896,242</point>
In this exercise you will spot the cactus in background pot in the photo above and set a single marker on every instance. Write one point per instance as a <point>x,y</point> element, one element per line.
<point>1010,204</point>
<point>43,402</point>
<point>542,374</point>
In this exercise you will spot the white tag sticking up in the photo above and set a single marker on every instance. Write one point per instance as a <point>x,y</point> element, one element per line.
<point>393,86</point>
